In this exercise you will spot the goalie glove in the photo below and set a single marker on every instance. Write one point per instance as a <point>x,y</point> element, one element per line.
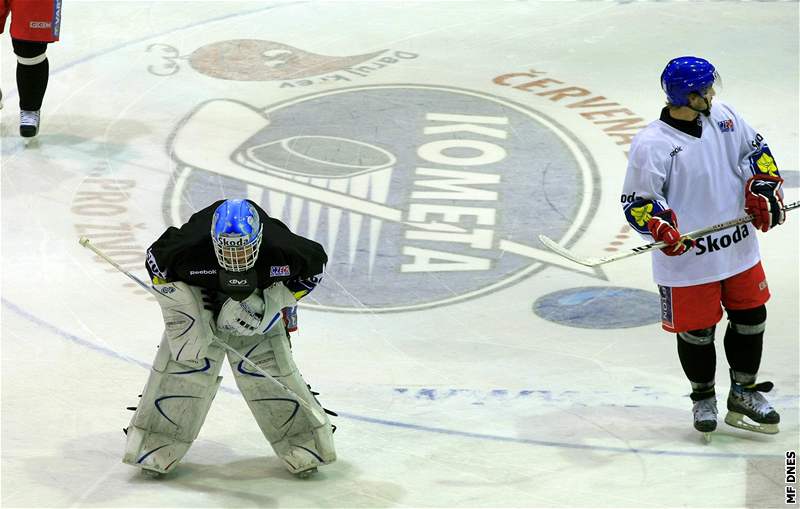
<point>247,317</point>
<point>663,227</point>
<point>763,200</point>
<point>282,298</point>
<point>255,315</point>
<point>187,324</point>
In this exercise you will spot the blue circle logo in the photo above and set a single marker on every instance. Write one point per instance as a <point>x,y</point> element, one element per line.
<point>600,307</point>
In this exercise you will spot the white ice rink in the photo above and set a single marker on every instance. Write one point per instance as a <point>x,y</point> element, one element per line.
<point>469,369</point>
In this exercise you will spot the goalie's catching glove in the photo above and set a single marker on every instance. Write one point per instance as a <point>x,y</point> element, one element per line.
<point>247,317</point>
<point>257,315</point>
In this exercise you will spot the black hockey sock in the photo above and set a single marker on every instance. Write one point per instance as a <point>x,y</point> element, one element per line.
<point>32,84</point>
<point>699,362</point>
<point>744,339</point>
<point>31,79</point>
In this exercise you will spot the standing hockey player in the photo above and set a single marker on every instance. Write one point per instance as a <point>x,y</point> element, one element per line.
<point>698,164</point>
<point>231,273</point>
<point>34,24</point>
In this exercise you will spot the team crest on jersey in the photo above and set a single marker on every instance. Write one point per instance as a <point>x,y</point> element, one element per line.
<point>642,214</point>
<point>765,163</point>
<point>416,192</point>
<point>726,126</point>
<point>279,271</point>
<point>639,213</point>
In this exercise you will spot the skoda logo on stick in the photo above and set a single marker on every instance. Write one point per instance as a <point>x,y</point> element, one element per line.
<point>412,190</point>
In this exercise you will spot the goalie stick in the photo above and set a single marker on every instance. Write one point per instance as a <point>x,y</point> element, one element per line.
<point>85,242</point>
<point>595,261</point>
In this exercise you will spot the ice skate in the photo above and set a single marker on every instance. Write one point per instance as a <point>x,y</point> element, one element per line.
<point>151,474</point>
<point>705,413</point>
<point>28,123</point>
<point>305,474</point>
<point>749,409</point>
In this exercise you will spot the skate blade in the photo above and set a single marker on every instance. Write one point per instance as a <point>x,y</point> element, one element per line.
<point>31,142</point>
<point>741,421</point>
<point>305,474</point>
<point>707,437</point>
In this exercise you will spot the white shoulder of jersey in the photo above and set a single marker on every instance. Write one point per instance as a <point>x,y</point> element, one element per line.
<point>656,137</point>
<point>723,109</point>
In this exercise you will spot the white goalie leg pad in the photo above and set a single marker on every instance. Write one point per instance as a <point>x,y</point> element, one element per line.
<point>187,323</point>
<point>301,438</point>
<point>174,404</point>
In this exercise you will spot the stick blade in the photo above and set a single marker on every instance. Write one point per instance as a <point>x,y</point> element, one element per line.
<point>566,253</point>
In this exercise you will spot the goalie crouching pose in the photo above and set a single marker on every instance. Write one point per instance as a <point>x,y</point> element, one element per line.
<point>239,284</point>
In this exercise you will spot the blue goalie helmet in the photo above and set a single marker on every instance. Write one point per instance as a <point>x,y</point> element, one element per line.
<point>236,232</point>
<point>684,75</point>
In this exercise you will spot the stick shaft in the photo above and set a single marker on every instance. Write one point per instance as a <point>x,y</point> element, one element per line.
<point>592,262</point>
<point>88,244</point>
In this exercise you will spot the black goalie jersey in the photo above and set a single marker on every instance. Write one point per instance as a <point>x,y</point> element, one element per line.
<point>187,254</point>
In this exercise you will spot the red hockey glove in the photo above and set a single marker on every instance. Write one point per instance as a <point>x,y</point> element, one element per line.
<point>763,200</point>
<point>663,227</point>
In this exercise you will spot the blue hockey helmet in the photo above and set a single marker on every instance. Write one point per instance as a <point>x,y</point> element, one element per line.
<point>684,75</point>
<point>236,232</point>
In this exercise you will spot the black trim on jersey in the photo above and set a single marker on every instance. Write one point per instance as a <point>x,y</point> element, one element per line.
<point>690,127</point>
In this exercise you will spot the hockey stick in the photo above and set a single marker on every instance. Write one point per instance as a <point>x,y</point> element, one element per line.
<point>85,242</point>
<point>593,262</point>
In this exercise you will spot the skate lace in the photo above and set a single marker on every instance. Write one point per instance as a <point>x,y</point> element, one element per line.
<point>752,398</point>
<point>29,117</point>
<point>705,409</point>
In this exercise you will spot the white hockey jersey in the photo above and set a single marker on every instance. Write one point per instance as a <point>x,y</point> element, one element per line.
<point>702,180</point>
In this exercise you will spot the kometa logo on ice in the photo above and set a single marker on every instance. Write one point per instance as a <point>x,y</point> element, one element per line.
<point>411,189</point>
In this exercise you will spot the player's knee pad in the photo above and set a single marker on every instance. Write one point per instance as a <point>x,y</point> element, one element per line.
<point>173,406</point>
<point>699,337</point>
<point>748,322</point>
<point>29,52</point>
<point>301,438</point>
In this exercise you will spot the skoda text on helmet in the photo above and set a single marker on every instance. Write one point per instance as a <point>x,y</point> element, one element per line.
<point>236,232</point>
<point>685,75</point>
